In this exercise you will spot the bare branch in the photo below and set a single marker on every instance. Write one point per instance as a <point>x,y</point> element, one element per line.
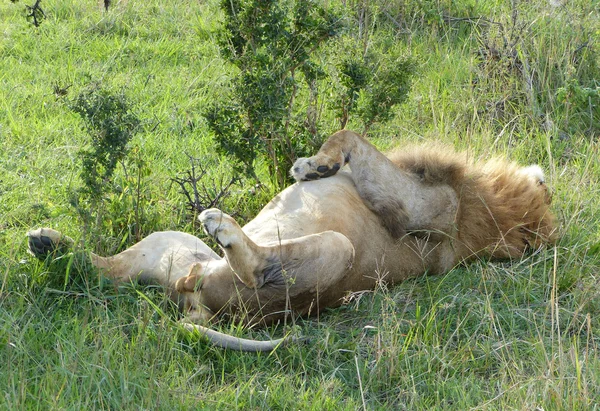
<point>202,195</point>
<point>36,13</point>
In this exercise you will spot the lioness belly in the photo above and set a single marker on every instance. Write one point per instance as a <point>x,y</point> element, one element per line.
<point>334,204</point>
<point>310,208</point>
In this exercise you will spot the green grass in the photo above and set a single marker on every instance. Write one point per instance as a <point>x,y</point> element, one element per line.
<point>490,335</point>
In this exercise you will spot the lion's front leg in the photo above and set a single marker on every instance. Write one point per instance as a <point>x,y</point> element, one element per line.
<point>401,201</point>
<point>375,176</point>
<point>332,156</point>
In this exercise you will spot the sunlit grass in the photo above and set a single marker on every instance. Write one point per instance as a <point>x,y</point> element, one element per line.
<point>490,335</point>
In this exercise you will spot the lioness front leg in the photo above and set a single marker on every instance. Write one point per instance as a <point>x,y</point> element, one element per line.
<point>402,202</point>
<point>246,260</point>
<point>45,241</point>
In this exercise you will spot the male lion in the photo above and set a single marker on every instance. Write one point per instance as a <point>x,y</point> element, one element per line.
<point>336,231</point>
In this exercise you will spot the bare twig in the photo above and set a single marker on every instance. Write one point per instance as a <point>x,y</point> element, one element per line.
<point>201,195</point>
<point>36,13</point>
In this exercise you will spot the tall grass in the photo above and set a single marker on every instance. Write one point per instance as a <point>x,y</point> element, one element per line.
<point>491,335</point>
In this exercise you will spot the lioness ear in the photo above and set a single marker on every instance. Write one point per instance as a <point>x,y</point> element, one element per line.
<point>189,284</point>
<point>192,282</point>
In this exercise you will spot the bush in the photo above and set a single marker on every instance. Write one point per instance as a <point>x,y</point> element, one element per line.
<point>110,123</point>
<point>278,96</point>
<point>372,84</point>
<point>270,42</point>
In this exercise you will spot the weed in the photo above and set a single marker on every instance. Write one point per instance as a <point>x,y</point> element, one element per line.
<point>110,124</point>
<point>578,106</point>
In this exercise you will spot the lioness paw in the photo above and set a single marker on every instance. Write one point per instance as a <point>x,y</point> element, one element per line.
<point>319,166</point>
<point>220,226</point>
<point>44,241</point>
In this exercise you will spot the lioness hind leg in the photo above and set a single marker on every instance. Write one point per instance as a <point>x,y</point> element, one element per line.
<point>301,260</point>
<point>189,289</point>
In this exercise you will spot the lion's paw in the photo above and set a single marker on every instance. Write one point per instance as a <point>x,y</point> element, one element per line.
<point>45,241</point>
<point>220,226</point>
<point>319,166</point>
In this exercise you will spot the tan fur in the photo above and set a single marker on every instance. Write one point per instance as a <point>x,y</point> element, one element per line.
<point>365,218</point>
<point>502,211</point>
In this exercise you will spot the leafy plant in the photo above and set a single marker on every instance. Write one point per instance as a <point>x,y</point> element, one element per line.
<point>579,103</point>
<point>372,85</point>
<point>270,42</point>
<point>279,94</point>
<point>111,124</point>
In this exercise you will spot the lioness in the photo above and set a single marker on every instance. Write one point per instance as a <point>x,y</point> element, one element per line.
<point>339,230</point>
